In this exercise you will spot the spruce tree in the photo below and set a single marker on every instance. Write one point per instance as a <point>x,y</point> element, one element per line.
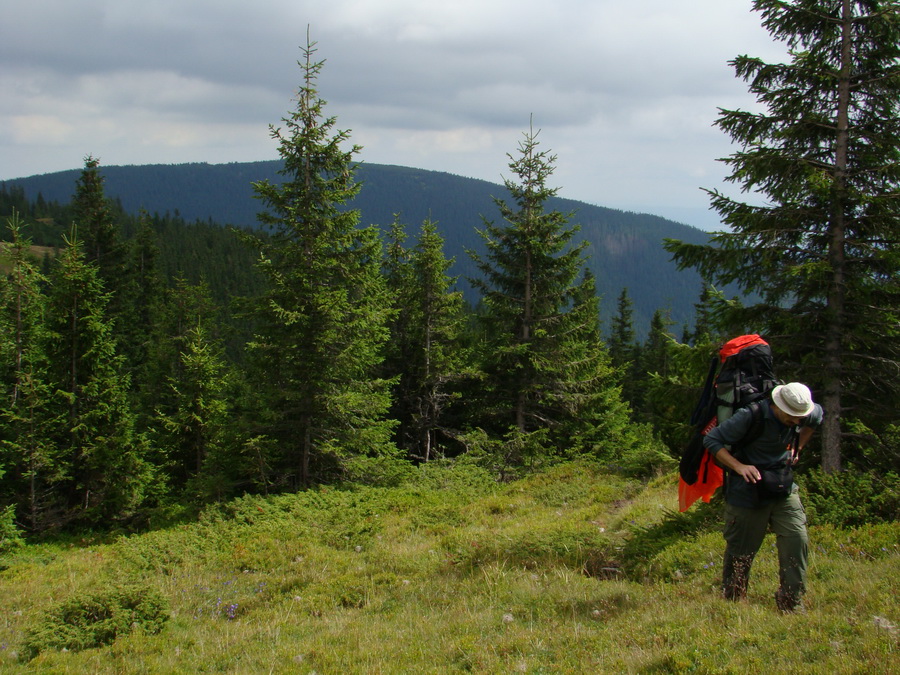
<point>655,353</point>
<point>322,323</point>
<point>598,422</point>
<point>26,453</point>
<point>621,336</point>
<point>185,309</point>
<point>537,318</point>
<point>141,296</point>
<point>427,355</point>
<point>655,362</point>
<point>704,322</point>
<point>103,470</point>
<point>194,430</point>
<point>623,351</point>
<point>97,227</point>
<point>820,252</point>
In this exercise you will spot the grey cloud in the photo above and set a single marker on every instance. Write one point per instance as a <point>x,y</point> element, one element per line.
<point>438,85</point>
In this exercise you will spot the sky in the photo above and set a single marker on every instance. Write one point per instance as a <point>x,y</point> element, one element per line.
<point>624,94</point>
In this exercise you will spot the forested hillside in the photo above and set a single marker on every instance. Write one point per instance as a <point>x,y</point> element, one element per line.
<point>622,247</point>
<point>154,364</point>
<point>198,333</point>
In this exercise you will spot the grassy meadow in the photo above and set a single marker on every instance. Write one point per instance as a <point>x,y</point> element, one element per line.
<point>573,570</point>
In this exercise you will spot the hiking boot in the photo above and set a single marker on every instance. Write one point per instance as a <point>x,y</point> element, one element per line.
<point>736,576</point>
<point>734,593</point>
<point>788,603</point>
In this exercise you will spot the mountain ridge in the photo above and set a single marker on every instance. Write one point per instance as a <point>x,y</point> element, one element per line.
<point>625,248</point>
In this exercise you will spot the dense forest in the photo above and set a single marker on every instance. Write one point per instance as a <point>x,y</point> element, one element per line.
<point>134,383</point>
<point>622,245</point>
<point>152,365</point>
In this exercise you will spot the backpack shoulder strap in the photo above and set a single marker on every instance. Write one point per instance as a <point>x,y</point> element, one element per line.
<point>757,416</point>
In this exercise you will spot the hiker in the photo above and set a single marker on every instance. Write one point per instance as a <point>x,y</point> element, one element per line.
<point>759,488</point>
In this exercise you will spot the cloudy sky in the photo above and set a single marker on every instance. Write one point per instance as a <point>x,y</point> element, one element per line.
<point>624,93</point>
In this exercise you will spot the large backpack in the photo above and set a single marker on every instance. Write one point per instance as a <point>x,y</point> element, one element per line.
<point>740,374</point>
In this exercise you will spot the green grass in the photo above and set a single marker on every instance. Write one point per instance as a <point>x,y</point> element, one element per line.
<point>454,574</point>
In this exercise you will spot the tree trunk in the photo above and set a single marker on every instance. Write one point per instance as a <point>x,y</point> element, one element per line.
<point>831,432</point>
<point>304,457</point>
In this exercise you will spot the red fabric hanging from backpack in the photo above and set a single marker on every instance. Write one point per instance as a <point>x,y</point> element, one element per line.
<point>709,480</point>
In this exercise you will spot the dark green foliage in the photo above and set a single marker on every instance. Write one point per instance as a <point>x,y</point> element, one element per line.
<point>96,226</point>
<point>624,352</point>
<point>193,423</point>
<point>322,322</point>
<point>427,355</point>
<point>600,425</point>
<point>851,498</point>
<point>622,245</point>
<point>821,252</point>
<point>671,398</point>
<point>547,377</point>
<point>10,535</point>
<point>704,322</point>
<point>101,473</point>
<point>140,301</point>
<point>97,619</point>
<point>621,341</point>
<point>654,361</point>
<point>655,353</point>
<point>26,453</point>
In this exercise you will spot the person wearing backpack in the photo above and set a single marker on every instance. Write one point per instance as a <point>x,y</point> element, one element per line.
<point>758,447</point>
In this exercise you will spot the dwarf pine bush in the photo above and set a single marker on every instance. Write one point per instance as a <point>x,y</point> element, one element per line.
<point>97,619</point>
<point>10,537</point>
<point>851,498</point>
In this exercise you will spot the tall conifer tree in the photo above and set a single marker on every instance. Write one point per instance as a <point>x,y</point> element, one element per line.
<point>598,420</point>
<point>427,353</point>
<point>822,251</point>
<point>97,228</point>
<point>542,338</point>
<point>101,460</point>
<point>323,320</point>
<point>141,297</point>
<point>26,452</point>
<point>621,335</point>
<point>623,350</point>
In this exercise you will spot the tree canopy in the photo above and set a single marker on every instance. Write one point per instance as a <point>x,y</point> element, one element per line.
<point>821,251</point>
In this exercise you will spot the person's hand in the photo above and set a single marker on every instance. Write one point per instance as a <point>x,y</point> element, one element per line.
<point>748,472</point>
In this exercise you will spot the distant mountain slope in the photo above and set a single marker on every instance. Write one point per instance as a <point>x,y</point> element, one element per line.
<point>625,248</point>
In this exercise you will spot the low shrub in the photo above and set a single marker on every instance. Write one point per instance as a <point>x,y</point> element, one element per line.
<point>10,537</point>
<point>97,619</point>
<point>850,498</point>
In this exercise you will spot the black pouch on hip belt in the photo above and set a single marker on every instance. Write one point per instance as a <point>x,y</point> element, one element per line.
<point>777,481</point>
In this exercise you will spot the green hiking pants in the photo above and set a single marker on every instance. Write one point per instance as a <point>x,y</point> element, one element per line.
<point>744,532</point>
